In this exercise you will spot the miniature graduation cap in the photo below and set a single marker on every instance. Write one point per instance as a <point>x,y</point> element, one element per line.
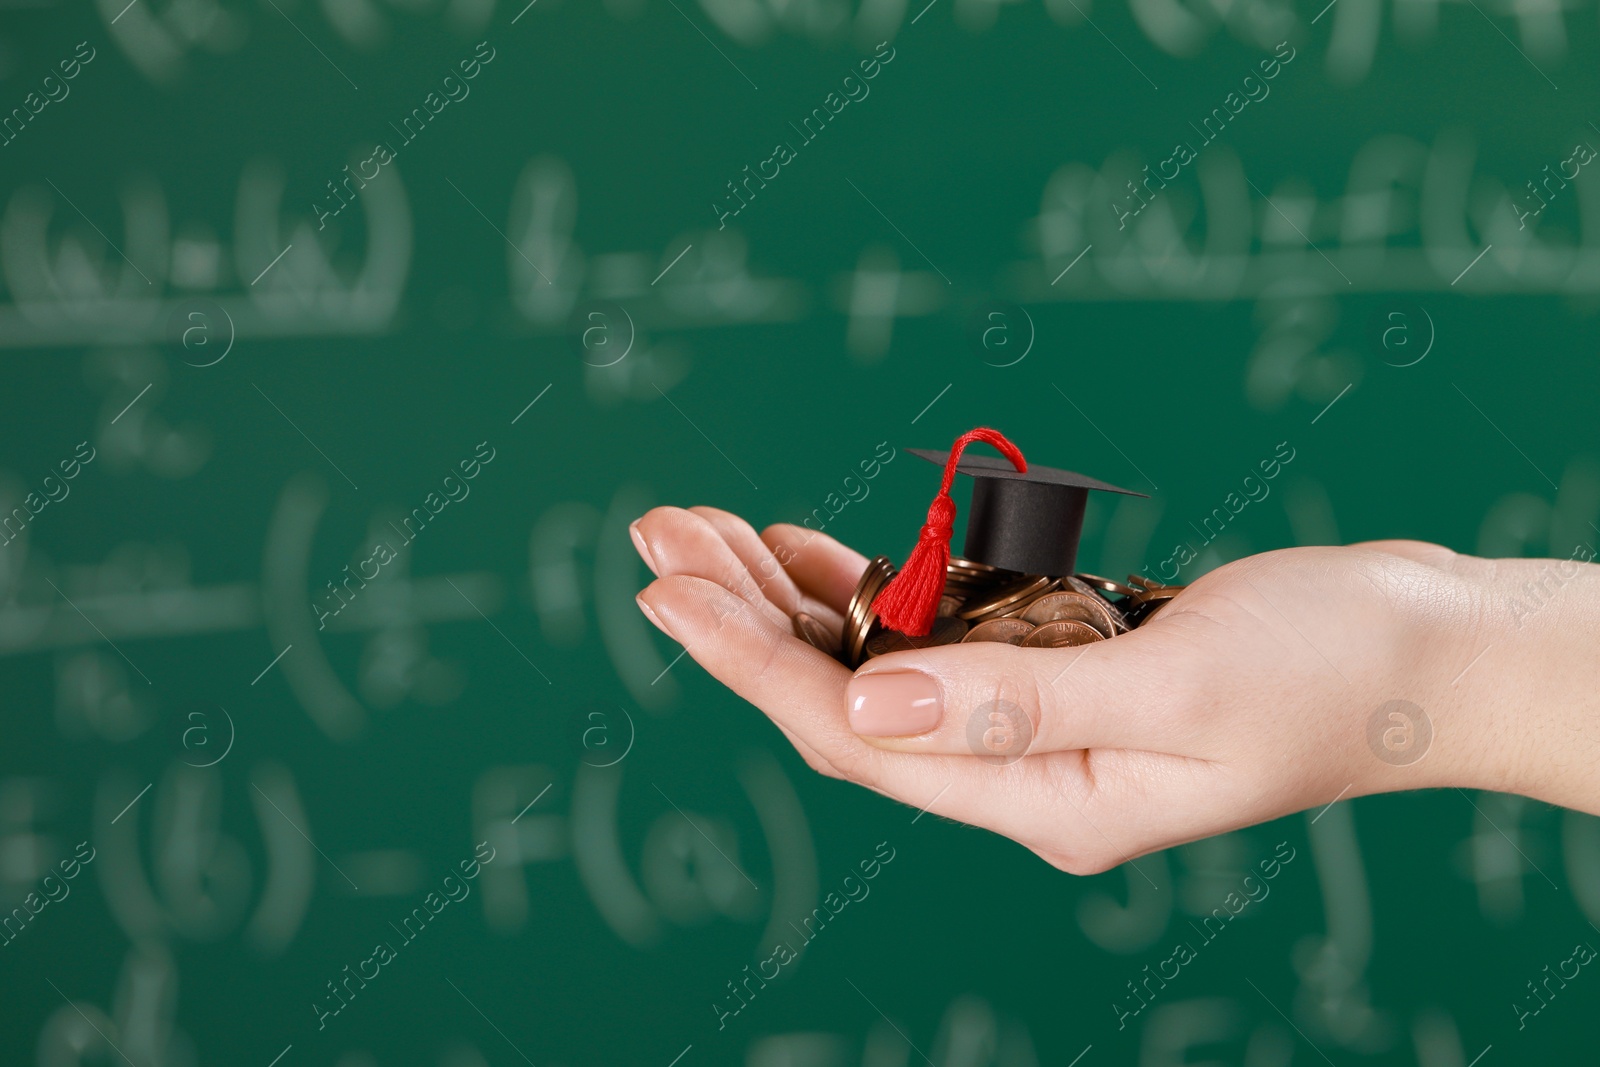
<point>1025,519</point>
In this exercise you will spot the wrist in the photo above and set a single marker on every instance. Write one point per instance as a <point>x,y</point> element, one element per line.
<point>1527,706</point>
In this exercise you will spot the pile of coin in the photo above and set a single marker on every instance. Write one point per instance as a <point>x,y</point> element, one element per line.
<point>983,603</point>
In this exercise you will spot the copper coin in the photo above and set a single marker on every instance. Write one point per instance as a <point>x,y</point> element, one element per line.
<point>1160,592</point>
<point>859,617</point>
<point>967,581</point>
<point>1075,581</point>
<point>1063,633</point>
<point>1144,608</point>
<point>869,576</point>
<point>815,634</point>
<point>1010,600</point>
<point>1010,631</point>
<point>874,628</point>
<point>1105,584</point>
<point>1084,607</point>
<point>1076,584</point>
<point>970,579</point>
<point>865,621</point>
<point>963,588</point>
<point>945,631</point>
<point>949,605</point>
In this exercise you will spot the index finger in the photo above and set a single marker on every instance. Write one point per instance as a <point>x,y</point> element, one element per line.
<point>824,569</point>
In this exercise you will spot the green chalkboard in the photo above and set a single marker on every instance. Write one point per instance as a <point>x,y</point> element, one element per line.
<point>285,282</point>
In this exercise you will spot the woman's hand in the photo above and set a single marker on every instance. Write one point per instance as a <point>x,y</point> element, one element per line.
<point>1279,682</point>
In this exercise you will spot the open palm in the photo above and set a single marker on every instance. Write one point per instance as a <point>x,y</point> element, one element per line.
<point>1273,684</point>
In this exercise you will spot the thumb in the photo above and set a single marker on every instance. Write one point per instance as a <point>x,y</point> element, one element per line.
<point>993,699</point>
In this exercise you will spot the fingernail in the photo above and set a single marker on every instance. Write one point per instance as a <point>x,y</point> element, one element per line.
<point>652,616</point>
<point>644,551</point>
<point>893,704</point>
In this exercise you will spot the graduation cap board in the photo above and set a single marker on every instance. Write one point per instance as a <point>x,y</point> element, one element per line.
<point>1022,518</point>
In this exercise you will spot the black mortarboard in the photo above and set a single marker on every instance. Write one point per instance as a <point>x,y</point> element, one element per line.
<point>1023,518</point>
<point>1023,521</point>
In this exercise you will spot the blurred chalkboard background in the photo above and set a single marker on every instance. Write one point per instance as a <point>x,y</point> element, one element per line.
<point>558,274</point>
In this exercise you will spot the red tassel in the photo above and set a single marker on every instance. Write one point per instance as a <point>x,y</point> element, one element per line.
<point>910,602</point>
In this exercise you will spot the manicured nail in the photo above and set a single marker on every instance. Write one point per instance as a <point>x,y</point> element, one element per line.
<point>893,704</point>
<point>644,551</point>
<point>652,616</point>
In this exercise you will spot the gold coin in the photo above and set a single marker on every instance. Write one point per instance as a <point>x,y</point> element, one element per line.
<point>1063,633</point>
<point>945,631</point>
<point>1010,631</point>
<point>815,634</point>
<point>1010,600</point>
<point>1084,607</point>
<point>1105,584</point>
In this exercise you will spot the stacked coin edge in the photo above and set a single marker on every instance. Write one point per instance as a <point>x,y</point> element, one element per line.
<point>976,593</point>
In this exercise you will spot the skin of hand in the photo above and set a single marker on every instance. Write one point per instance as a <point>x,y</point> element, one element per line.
<point>1267,687</point>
